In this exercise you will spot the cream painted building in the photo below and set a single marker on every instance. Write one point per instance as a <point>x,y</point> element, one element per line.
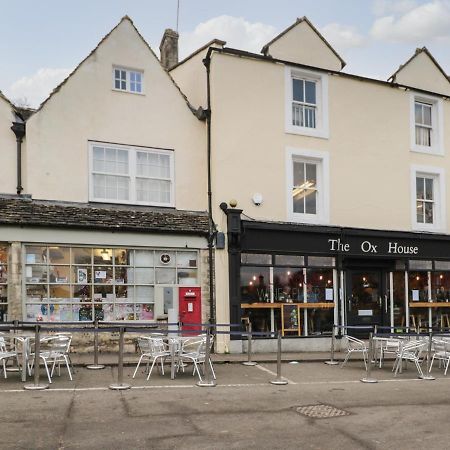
<point>340,183</point>
<point>111,219</point>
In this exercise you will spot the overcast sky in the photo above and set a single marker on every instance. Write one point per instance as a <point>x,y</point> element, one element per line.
<point>41,41</point>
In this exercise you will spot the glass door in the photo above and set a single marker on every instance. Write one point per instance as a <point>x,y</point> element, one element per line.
<point>367,302</point>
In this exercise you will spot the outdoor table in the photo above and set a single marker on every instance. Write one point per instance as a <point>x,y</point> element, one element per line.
<point>24,340</point>
<point>175,346</point>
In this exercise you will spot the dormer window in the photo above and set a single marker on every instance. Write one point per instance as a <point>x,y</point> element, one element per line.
<point>127,80</point>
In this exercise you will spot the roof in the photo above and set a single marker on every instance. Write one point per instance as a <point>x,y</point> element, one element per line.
<point>196,52</point>
<point>417,53</point>
<point>7,100</point>
<point>124,18</point>
<point>41,213</point>
<point>265,49</point>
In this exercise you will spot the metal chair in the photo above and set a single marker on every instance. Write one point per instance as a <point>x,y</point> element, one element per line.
<point>441,348</point>
<point>355,345</point>
<point>411,351</point>
<point>194,350</point>
<point>152,348</point>
<point>7,351</point>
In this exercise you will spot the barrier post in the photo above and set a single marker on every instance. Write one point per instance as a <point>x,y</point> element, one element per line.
<point>37,351</point>
<point>249,361</point>
<point>279,380</point>
<point>331,361</point>
<point>120,386</point>
<point>368,378</point>
<point>209,380</point>
<point>96,365</point>
<point>427,375</point>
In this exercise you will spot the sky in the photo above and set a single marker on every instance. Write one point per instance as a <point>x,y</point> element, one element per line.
<point>42,41</point>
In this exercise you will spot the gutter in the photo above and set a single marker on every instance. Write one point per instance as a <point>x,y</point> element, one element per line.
<point>18,128</point>
<point>211,225</point>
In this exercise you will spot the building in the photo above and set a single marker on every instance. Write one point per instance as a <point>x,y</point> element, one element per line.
<point>340,186</point>
<point>105,215</point>
<point>330,189</point>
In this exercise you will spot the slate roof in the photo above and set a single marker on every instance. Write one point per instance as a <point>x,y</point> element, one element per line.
<point>42,213</point>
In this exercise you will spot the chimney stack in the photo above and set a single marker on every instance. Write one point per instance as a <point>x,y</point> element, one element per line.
<point>169,49</point>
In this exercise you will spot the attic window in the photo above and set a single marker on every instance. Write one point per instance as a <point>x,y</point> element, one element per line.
<point>127,80</point>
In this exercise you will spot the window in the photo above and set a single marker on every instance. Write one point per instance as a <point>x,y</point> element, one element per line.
<point>83,283</point>
<point>127,80</point>
<point>428,198</point>
<point>426,124</point>
<point>306,103</point>
<point>123,174</point>
<point>307,174</point>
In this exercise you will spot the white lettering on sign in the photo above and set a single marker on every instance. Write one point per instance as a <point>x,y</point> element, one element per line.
<point>368,247</point>
<point>394,247</point>
<point>337,245</point>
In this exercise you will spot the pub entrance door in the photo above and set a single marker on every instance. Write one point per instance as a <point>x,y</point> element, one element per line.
<point>367,300</point>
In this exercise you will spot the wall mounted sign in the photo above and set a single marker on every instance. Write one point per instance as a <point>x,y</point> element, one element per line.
<point>165,258</point>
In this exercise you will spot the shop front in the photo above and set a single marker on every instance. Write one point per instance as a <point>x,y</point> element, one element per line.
<point>302,279</point>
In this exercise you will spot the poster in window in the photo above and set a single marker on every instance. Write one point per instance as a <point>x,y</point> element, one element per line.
<point>82,276</point>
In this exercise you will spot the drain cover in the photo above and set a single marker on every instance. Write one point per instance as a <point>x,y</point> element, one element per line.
<point>321,411</point>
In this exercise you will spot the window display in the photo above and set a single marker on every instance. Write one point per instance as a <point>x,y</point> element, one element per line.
<point>83,283</point>
<point>3,283</point>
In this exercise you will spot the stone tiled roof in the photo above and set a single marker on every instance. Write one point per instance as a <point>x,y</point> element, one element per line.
<point>27,212</point>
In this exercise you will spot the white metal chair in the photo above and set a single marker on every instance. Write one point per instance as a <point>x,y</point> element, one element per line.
<point>194,350</point>
<point>55,350</point>
<point>389,345</point>
<point>152,348</point>
<point>355,345</point>
<point>7,351</point>
<point>441,348</point>
<point>410,351</point>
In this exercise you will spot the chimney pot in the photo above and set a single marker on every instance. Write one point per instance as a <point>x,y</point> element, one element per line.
<point>169,49</point>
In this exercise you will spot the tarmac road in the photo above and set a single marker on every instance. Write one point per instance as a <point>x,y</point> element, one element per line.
<point>243,411</point>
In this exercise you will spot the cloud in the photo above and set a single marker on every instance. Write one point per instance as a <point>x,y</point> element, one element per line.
<point>430,20</point>
<point>32,90</point>
<point>384,7</point>
<point>342,36</point>
<point>237,31</point>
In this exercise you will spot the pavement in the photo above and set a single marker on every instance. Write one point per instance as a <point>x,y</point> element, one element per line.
<point>244,411</point>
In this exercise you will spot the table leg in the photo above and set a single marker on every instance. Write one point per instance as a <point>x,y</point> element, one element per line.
<point>24,359</point>
<point>172,361</point>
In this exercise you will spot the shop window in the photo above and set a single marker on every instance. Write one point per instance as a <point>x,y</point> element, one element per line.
<point>418,286</point>
<point>3,283</point>
<point>83,283</point>
<point>440,286</point>
<point>288,284</point>
<point>289,260</point>
<point>306,103</point>
<point>128,80</point>
<point>321,261</point>
<point>399,298</point>
<point>428,207</point>
<point>418,264</point>
<point>254,258</point>
<point>426,124</point>
<point>124,174</point>
<point>442,265</point>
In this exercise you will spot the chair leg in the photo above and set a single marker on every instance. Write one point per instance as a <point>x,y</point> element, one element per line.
<point>66,359</point>
<point>419,369</point>
<point>212,369</point>
<point>153,364</point>
<point>346,359</point>
<point>4,368</point>
<point>46,369</point>
<point>446,366</point>
<point>138,364</point>
<point>198,370</point>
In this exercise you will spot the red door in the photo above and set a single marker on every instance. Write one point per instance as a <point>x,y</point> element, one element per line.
<point>190,307</point>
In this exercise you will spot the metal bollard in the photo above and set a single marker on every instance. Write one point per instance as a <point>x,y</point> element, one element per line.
<point>209,380</point>
<point>120,386</point>
<point>96,365</point>
<point>279,380</point>
<point>368,378</point>
<point>37,351</point>
<point>249,361</point>
<point>427,375</point>
<point>331,361</point>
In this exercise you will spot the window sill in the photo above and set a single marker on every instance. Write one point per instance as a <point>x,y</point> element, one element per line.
<point>312,219</point>
<point>427,150</point>
<point>427,229</point>
<point>130,203</point>
<point>142,94</point>
<point>310,132</point>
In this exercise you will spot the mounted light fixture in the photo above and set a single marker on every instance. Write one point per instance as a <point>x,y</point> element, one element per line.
<point>105,255</point>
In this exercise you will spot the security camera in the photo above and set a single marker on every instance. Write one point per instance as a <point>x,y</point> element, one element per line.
<point>257,199</point>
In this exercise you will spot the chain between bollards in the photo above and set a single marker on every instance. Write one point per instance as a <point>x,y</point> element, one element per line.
<point>279,380</point>
<point>428,375</point>
<point>209,380</point>
<point>331,361</point>
<point>37,351</point>
<point>368,378</point>
<point>96,365</point>
<point>249,361</point>
<point>120,386</point>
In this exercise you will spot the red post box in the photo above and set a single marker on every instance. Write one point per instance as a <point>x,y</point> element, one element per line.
<point>190,308</point>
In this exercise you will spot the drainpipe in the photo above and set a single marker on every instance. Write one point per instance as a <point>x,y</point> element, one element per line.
<point>211,225</point>
<point>18,127</point>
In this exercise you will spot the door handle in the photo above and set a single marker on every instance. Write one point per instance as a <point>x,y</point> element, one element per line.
<point>386,304</point>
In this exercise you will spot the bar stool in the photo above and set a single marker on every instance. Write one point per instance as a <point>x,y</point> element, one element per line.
<point>412,321</point>
<point>445,319</point>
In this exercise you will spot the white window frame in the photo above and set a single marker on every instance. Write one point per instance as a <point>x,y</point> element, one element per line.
<point>437,124</point>
<point>322,159</point>
<point>128,80</point>
<point>321,80</point>
<point>132,174</point>
<point>439,210</point>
